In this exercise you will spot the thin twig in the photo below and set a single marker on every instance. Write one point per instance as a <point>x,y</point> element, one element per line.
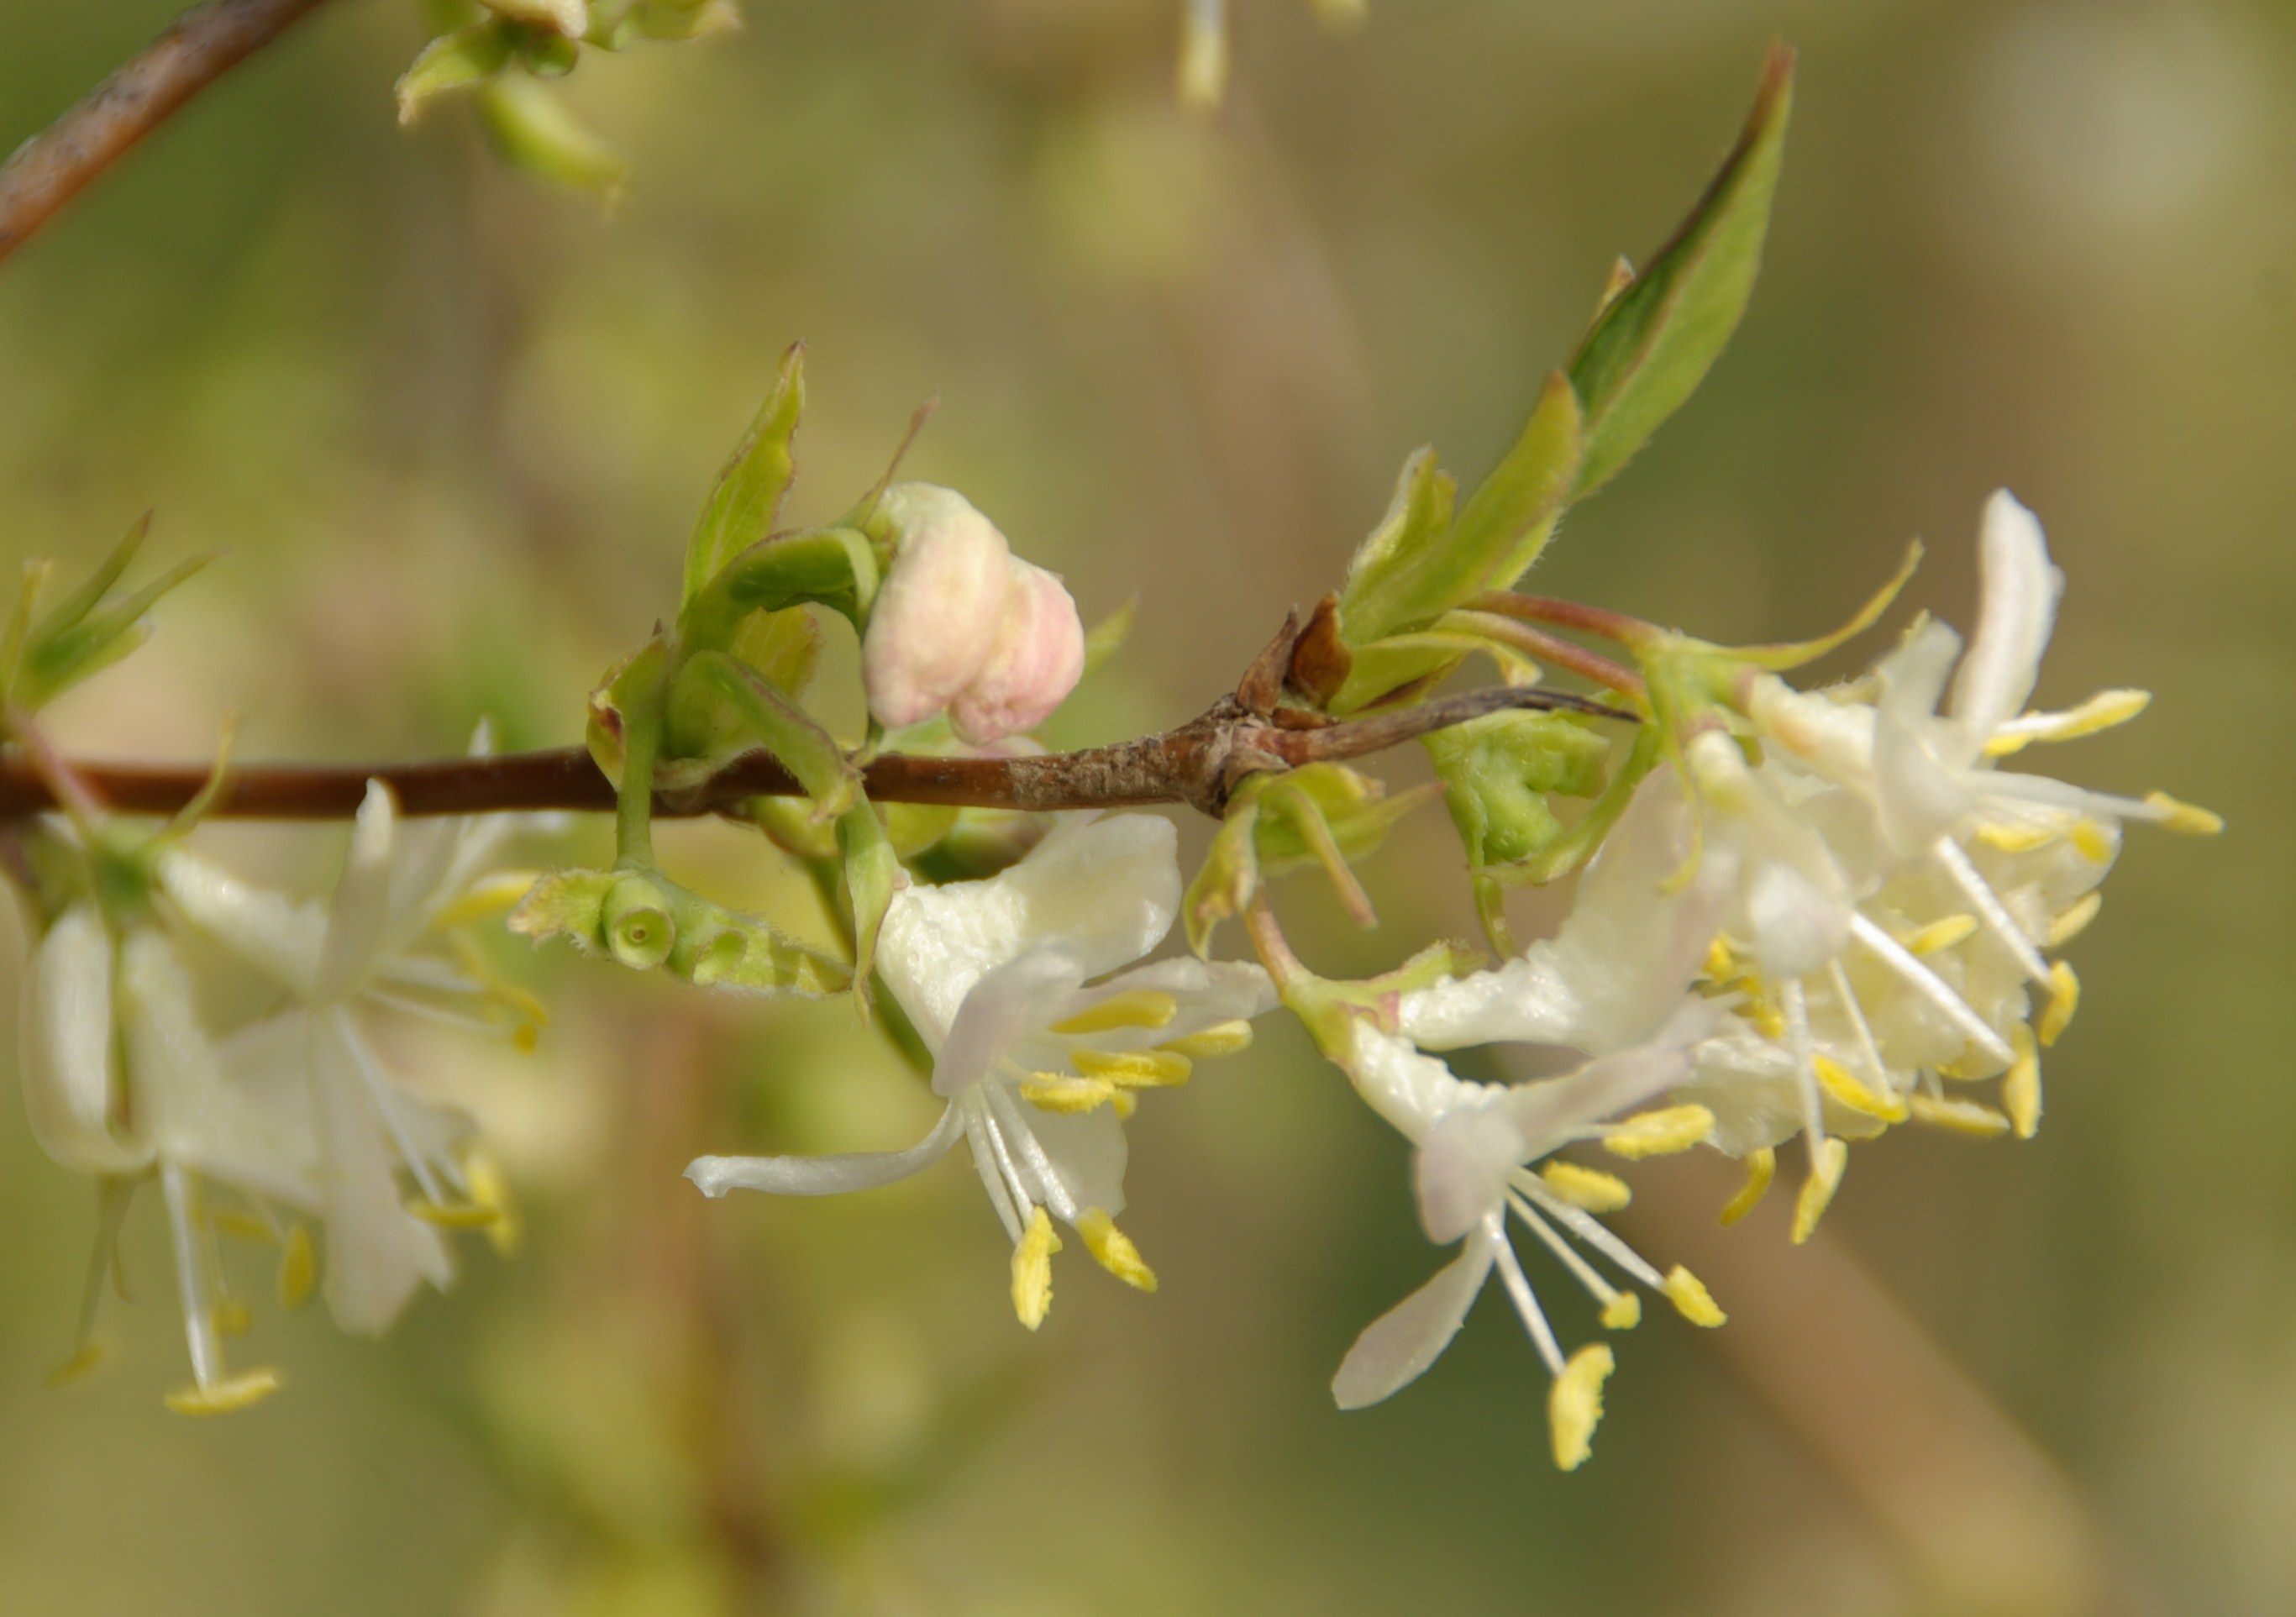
<point>202,44</point>
<point>1198,764</point>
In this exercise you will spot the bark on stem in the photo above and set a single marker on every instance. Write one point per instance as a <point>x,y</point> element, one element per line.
<point>1198,764</point>
<point>202,44</point>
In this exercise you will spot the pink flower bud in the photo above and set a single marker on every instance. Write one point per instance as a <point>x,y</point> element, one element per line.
<point>937,618</point>
<point>1037,661</point>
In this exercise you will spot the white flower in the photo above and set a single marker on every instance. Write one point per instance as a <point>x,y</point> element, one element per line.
<point>1039,1068</point>
<point>1611,983</point>
<point>120,1078</point>
<point>360,956</point>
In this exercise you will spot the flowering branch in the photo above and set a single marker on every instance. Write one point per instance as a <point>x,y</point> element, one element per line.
<point>199,47</point>
<point>1200,764</point>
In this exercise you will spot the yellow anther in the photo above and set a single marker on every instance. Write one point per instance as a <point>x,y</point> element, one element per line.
<point>85,1359</point>
<point>298,1269</point>
<point>1817,1190</point>
<point>532,1014</point>
<point>2064,999</point>
<point>2093,841</point>
<point>2101,712</point>
<point>1661,1133</point>
<point>1767,1020</point>
<point>1574,1404</point>
<point>1132,1008</point>
<point>2190,819</point>
<point>1938,936</point>
<point>1622,1311</point>
<point>230,1318</point>
<point>2075,919</point>
<point>245,1225</point>
<point>1221,1039</point>
<point>1134,1068</point>
<point>453,1215</point>
<point>1962,1117</point>
<point>1588,1187</point>
<point>1065,1092</point>
<point>1691,1299</point>
<point>1834,1078</point>
<point>490,1189</point>
<point>1113,1250</point>
<point>2014,839</point>
<point>1761,1167</point>
<point>1721,964</point>
<point>488,896</point>
<point>2020,1090</point>
<point>223,1397</point>
<point>526,1036</point>
<point>1032,1269</point>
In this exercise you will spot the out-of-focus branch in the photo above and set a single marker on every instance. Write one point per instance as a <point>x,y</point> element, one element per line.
<point>202,44</point>
<point>1991,1522</point>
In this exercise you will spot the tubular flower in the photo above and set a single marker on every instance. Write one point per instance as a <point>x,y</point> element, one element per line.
<point>1611,983</point>
<point>365,956</point>
<point>1956,879</point>
<point>120,1081</point>
<point>1040,1064</point>
<point>964,625</point>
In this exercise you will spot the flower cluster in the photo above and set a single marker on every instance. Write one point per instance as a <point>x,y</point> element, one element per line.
<point>295,1116</point>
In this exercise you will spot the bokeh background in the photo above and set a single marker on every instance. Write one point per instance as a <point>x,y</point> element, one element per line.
<point>452,428</point>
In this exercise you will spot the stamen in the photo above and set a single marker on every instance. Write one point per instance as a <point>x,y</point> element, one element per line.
<point>2092,842</point>
<point>1692,1300</point>
<point>1938,936</point>
<point>1837,1082</point>
<point>2101,712</point>
<point>223,1397</point>
<point>1113,1250</point>
<point>1055,1189</point>
<point>1593,1231</point>
<point>2020,1090</point>
<point>1877,1075</point>
<point>378,1091</point>
<point>1805,1054</point>
<point>1616,1316</point>
<point>1032,1269</point>
<point>977,1132</point>
<point>191,1280</point>
<point>2013,838</point>
<point>489,896</point>
<point>231,1317</point>
<point>490,1188</point>
<point>1008,1173</point>
<point>2064,999</point>
<point>1132,1008</point>
<point>1931,986</point>
<point>1761,1167</point>
<point>1574,1404</point>
<point>1134,1068</point>
<point>1987,904</point>
<point>298,1269</point>
<point>1826,1168</point>
<point>453,1215</point>
<point>1588,1187</point>
<point>1517,1286</point>
<point>2190,819</point>
<point>1962,1117</point>
<point>85,1356</point>
<point>1221,1039</point>
<point>1661,1133</point>
<point>2074,920</point>
<point>1065,1092</point>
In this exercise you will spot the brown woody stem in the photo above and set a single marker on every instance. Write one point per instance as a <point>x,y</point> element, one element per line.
<point>201,47</point>
<point>1198,764</point>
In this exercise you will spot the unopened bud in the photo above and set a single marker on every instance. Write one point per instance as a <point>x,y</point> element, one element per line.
<point>939,616</point>
<point>1037,661</point>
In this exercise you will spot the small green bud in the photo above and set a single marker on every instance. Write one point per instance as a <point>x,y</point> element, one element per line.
<point>1499,770</point>
<point>637,922</point>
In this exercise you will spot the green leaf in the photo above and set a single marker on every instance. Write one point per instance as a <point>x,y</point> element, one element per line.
<point>743,506</point>
<point>1385,667</point>
<point>751,707</point>
<point>1409,580</point>
<point>1500,770</point>
<point>458,61</point>
<point>81,634</point>
<point>871,872</point>
<point>532,129</point>
<point>1230,874</point>
<point>1417,518</point>
<point>1654,342</point>
<point>569,903</point>
<point>831,567</point>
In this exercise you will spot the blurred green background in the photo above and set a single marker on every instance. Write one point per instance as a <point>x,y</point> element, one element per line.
<point>452,428</point>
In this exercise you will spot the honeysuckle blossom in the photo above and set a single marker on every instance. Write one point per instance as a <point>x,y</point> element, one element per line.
<point>962,624</point>
<point>120,1081</point>
<point>363,955</point>
<point>1612,983</point>
<point>1039,1062</point>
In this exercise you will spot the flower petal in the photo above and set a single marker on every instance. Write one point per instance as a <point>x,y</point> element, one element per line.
<point>1460,1169</point>
<point>377,1251</point>
<point>278,937</point>
<point>70,1080</point>
<point>1396,1349</point>
<point>238,1111</point>
<point>1107,889</point>
<point>361,914</point>
<point>1014,1000</point>
<point>825,1176</point>
<point>1920,795</point>
<point>2015,613</point>
<point>1209,992</point>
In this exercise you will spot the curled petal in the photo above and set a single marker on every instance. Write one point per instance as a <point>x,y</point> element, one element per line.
<point>1003,1007</point>
<point>361,915</point>
<point>2015,614</point>
<point>825,1176</point>
<point>1460,1171</point>
<point>377,1251</point>
<point>71,1079</point>
<point>937,620</point>
<point>1396,1349</point>
<point>1920,795</point>
<point>1037,661</point>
